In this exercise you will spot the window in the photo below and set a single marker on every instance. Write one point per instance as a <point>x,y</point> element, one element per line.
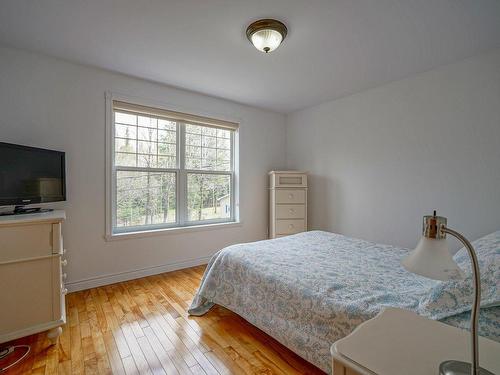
<point>169,169</point>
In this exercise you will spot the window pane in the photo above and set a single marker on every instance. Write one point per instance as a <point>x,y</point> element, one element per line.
<point>223,155</point>
<point>193,157</point>
<point>167,136</point>
<point>125,160</point>
<point>223,160</point>
<point>125,118</point>
<point>145,198</point>
<point>223,166</point>
<point>149,122</point>
<point>145,147</point>
<point>193,139</point>
<point>125,131</point>
<point>208,196</point>
<point>147,134</point>
<point>209,141</point>
<point>221,133</point>
<point>147,161</point>
<point>166,162</point>
<point>125,145</point>
<point>208,131</point>
<point>166,149</point>
<point>194,129</point>
<point>212,145</point>
<point>145,138</point>
<point>193,163</point>
<point>167,125</point>
<point>209,157</point>
<point>223,143</point>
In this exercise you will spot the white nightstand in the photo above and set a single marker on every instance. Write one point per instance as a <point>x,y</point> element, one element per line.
<point>398,342</point>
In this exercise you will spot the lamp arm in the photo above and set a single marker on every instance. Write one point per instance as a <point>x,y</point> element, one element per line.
<point>477,297</point>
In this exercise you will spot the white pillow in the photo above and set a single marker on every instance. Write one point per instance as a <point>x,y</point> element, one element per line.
<point>452,297</point>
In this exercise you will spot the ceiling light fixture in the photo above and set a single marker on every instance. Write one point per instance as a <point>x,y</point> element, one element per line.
<point>266,35</point>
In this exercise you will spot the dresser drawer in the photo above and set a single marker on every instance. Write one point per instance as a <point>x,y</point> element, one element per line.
<point>27,241</point>
<point>288,180</point>
<point>284,196</point>
<point>290,211</point>
<point>290,226</point>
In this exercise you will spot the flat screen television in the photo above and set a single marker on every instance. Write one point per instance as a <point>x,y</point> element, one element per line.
<point>30,175</point>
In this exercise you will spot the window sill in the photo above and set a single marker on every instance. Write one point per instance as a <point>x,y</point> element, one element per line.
<point>166,231</point>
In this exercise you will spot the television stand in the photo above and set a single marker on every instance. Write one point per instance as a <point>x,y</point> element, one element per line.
<point>31,273</point>
<point>22,210</point>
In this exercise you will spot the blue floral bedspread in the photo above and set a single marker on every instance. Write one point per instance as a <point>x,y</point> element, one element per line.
<point>311,289</point>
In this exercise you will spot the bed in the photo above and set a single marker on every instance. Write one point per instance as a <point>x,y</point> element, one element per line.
<point>313,288</point>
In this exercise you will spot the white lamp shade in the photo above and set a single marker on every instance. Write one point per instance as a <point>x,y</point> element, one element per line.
<point>431,258</point>
<point>266,40</point>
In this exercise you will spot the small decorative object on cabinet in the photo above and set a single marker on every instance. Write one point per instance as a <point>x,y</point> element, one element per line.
<point>288,203</point>
<point>31,277</point>
<point>398,341</point>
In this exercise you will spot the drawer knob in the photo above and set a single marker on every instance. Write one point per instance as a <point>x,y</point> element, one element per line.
<point>64,276</point>
<point>290,196</point>
<point>290,226</point>
<point>64,262</point>
<point>292,211</point>
<point>64,291</point>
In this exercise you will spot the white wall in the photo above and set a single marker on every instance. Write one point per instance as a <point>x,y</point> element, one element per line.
<point>381,159</point>
<point>50,103</point>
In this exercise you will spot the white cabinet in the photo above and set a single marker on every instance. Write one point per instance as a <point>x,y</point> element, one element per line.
<point>31,252</point>
<point>288,203</point>
<point>399,341</point>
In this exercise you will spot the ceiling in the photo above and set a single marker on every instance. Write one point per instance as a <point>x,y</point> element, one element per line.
<point>334,47</point>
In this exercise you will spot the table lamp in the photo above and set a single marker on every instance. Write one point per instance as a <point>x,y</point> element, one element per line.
<point>431,258</point>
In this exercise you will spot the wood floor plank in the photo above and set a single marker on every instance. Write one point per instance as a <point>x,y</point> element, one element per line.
<point>76,350</point>
<point>114,357</point>
<point>64,368</point>
<point>153,362</point>
<point>197,370</point>
<point>116,331</point>
<point>166,333</point>
<point>135,349</point>
<point>40,353</point>
<point>142,327</point>
<point>161,353</point>
<point>129,366</point>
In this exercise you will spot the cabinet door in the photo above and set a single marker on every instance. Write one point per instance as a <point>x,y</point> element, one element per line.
<point>27,294</point>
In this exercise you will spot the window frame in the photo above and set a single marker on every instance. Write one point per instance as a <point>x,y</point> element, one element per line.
<point>181,174</point>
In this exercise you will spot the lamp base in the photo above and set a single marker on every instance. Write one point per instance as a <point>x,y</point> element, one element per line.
<point>459,368</point>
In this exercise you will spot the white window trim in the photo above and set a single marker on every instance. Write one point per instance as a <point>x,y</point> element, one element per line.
<point>178,227</point>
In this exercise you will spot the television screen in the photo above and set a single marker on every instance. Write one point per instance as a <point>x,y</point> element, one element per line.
<point>31,175</point>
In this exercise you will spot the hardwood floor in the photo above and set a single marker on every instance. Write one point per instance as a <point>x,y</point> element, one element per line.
<point>142,327</point>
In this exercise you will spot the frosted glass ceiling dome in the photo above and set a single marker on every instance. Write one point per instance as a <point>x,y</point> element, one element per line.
<point>266,35</point>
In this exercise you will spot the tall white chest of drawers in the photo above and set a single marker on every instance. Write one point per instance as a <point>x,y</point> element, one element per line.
<point>288,203</point>
<point>31,278</point>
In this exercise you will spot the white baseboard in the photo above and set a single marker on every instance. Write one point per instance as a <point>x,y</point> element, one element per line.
<point>94,282</point>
